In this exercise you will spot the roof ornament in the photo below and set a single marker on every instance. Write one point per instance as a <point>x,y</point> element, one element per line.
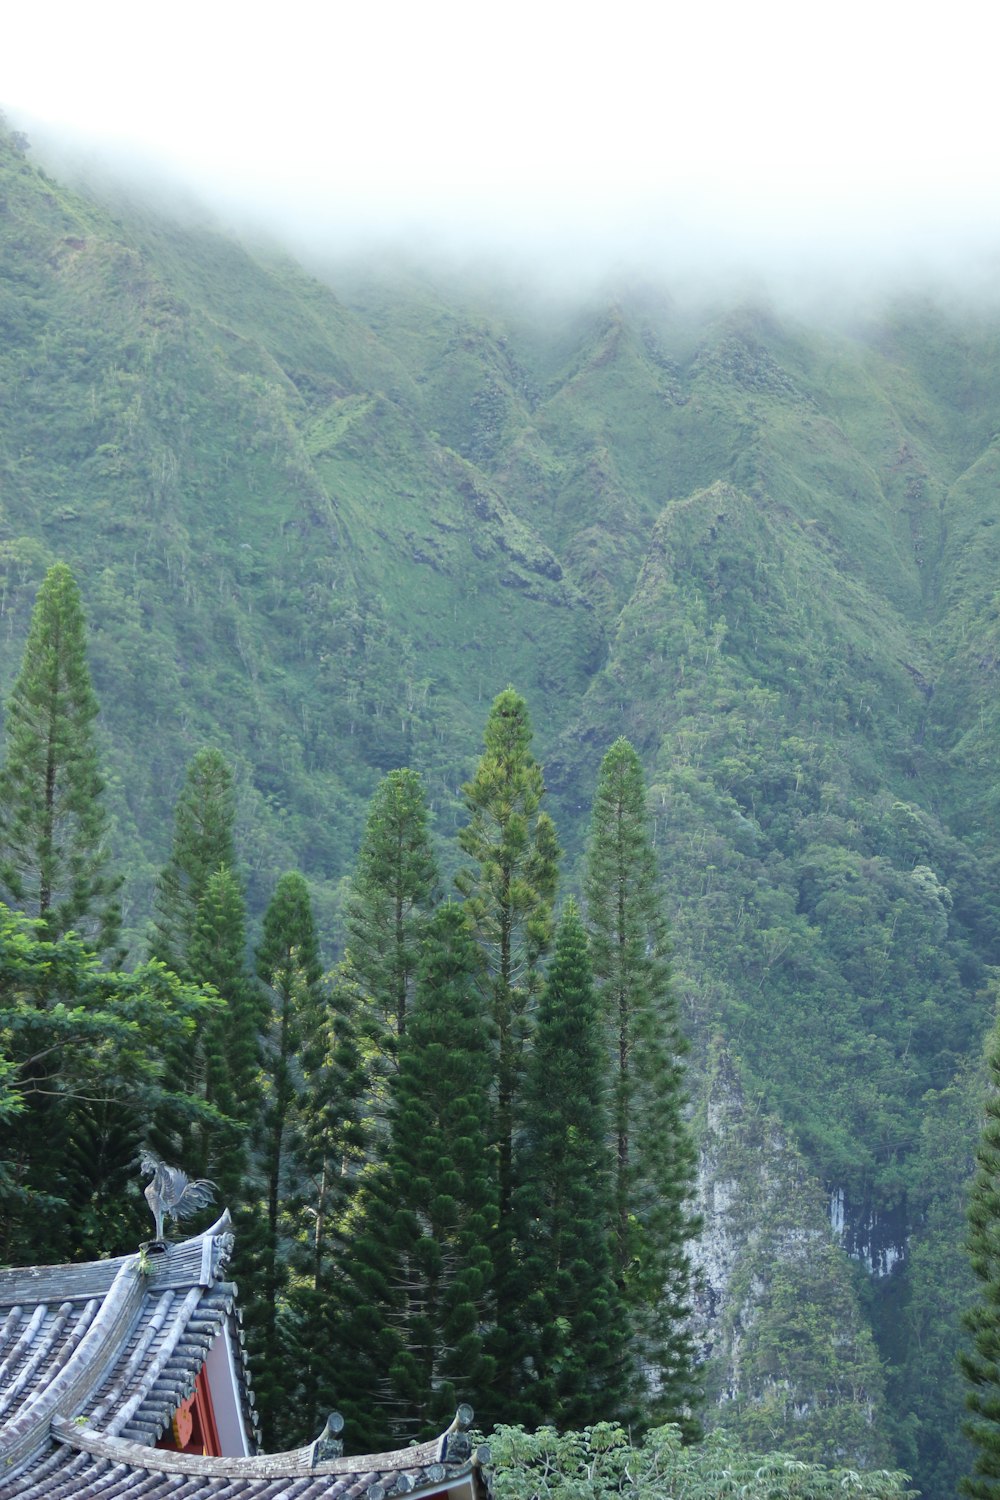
<point>173,1193</point>
<point>457,1442</point>
<point>329,1443</point>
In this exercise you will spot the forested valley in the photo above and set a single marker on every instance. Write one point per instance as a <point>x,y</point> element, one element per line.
<point>386,602</point>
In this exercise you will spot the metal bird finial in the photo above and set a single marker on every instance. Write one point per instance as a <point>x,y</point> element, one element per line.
<point>172,1193</point>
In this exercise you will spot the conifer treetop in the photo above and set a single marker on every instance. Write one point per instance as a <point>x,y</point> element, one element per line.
<point>394,888</point>
<point>53,825</point>
<point>654,1166</point>
<point>203,844</point>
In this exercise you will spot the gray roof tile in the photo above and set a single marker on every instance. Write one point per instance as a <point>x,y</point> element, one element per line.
<point>94,1360</point>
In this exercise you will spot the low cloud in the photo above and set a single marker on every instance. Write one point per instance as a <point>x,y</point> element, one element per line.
<point>806,249</point>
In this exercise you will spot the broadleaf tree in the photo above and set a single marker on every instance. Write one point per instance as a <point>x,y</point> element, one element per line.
<point>603,1463</point>
<point>73,1033</point>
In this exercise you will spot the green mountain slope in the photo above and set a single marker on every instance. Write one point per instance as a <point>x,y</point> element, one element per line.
<point>320,526</point>
<point>277,556</point>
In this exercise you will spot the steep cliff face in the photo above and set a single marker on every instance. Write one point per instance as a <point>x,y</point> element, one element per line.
<point>790,1359</point>
<point>877,1238</point>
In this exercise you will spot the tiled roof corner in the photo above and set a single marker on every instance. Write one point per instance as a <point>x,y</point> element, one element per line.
<point>95,1360</point>
<point>58,1358</point>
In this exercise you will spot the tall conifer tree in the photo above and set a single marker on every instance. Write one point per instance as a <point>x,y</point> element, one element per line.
<point>288,964</point>
<point>53,826</point>
<point>200,933</point>
<point>231,1041</point>
<point>577,1327</point>
<point>223,1063</point>
<point>420,1263</point>
<point>224,1059</point>
<point>509,891</point>
<point>508,894</point>
<point>981,1365</point>
<point>203,843</point>
<point>654,1156</point>
<point>394,889</point>
<point>332,1146</point>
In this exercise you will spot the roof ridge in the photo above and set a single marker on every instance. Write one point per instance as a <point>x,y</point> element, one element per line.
<point>79,1280</point>
<point>296,1461</point>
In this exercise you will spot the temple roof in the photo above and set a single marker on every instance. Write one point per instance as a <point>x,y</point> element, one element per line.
<point>95,1360</point>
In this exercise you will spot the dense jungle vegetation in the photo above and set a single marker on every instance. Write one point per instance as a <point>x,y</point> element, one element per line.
<point>319,524</point>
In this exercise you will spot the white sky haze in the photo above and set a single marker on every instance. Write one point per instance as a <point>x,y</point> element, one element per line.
<point>732,126</point>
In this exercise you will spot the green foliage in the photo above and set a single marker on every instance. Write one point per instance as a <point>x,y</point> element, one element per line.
<point>330,1152</point>
<point>78,1042</point>
<point>920,1319</point>
<point>219,1065</point>
<point>319,531</point>
<point>789,838</point>
<point>200,930</point>
<point>420,1258</point>
<point>575,1326</point>
<point>601,1462</point>
<point>53,823</point>
<point>509,891</point>
<point>811,1375</point>
<point>981,1364</point>
<point>654,1157</point>
<point>203,844</point>
<point>393,890</point>
<point>288,965</point>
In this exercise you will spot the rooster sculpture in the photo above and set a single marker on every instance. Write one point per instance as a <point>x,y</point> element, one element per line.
<point>172,1192</point>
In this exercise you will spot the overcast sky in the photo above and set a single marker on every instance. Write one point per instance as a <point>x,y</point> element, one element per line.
<point>867,128</point>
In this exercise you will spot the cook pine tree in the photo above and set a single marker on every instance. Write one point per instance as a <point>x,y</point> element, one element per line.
<point>289,968</point>
<point>579,1370</point>
<point>53,822</point>
<point>227,1055</point>
<point>393,892</point>
<point>509,887</point>
<point>981,1363</point>
<point>200,933</point>
<point>203,843</point>
<point>653,1165</point>
<point>54,867</point>
<point>419,1259</point>
<point>331,1145</point>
